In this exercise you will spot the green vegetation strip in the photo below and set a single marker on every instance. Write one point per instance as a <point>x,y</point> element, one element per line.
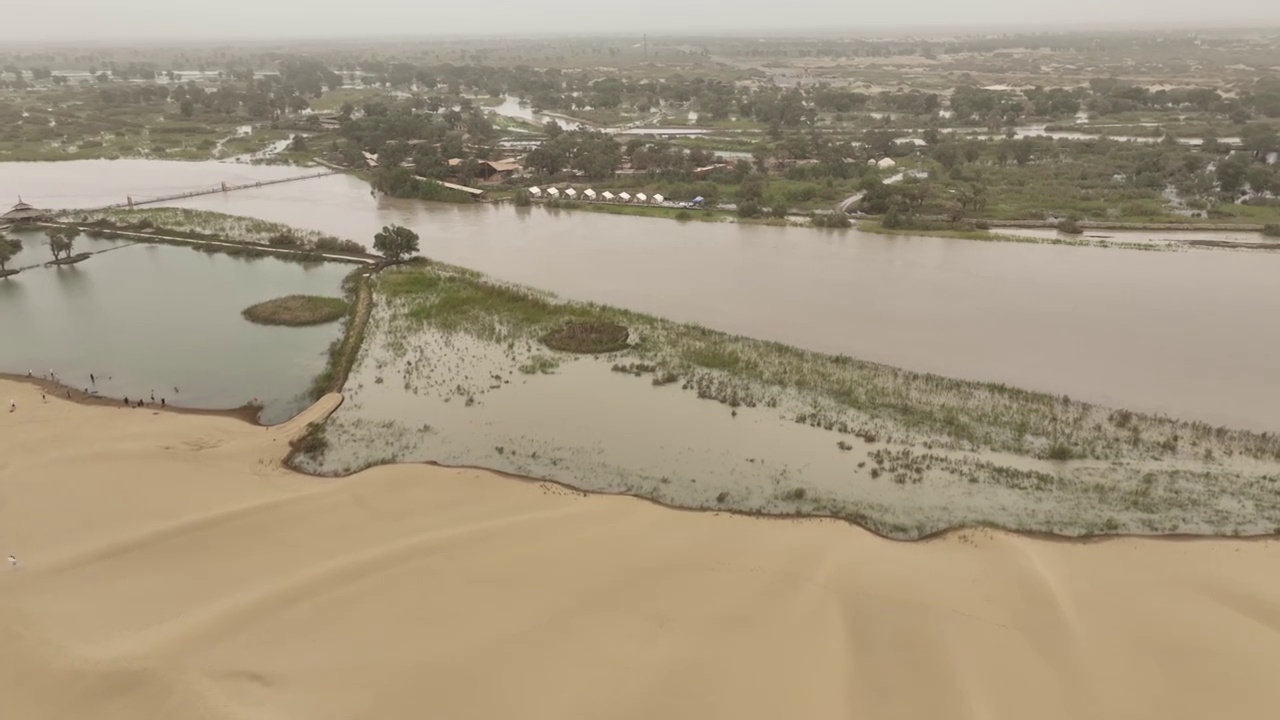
<point>343,351</point>
<point>297,310</point>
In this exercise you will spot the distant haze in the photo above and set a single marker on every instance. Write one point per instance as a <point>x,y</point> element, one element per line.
<point>79,20</point>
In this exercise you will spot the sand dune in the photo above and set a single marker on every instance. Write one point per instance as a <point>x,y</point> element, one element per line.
<point>170,568</point>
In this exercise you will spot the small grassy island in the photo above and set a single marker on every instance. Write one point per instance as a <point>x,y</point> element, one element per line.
<point>297,310</point>
<point>587,337</point>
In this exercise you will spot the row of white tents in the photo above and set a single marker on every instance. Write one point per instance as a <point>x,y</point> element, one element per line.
<point>591,196</point>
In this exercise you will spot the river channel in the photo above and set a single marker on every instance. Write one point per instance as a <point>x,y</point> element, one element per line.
<point>1187,333</point>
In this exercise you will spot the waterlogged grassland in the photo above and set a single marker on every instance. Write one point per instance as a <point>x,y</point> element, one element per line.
<point>214,225</point>
<point>454,370</point>
<point>972,233</point>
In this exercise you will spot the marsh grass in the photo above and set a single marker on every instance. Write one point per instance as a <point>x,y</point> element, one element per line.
<point>841,393</point>
<point>587,337</point>
<point>540,365</point>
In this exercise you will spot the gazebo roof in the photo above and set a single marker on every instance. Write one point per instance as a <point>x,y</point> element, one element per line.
<point>23,211</point>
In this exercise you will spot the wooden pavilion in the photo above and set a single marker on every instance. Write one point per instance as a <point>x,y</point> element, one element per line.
<point>23,213</point>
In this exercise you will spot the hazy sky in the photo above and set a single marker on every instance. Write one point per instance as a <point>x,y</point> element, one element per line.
<point>28,20</point>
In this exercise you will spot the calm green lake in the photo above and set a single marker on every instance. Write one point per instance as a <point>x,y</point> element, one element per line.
<point>146,318</point>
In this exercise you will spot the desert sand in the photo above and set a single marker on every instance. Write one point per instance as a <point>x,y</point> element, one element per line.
<point>170,567</point>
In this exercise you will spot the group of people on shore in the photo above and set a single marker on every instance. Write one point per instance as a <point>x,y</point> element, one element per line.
<point>91,390</point>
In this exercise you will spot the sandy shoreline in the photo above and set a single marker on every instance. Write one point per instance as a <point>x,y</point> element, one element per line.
<point>170,566</point>
<point>52,388</point>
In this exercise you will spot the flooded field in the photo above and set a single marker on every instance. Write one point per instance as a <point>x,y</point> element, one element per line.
<point>146,318</point>
<point>1175,333</point>
<point>1145,237</point>
<point>512,107</point>
<point>680,418</point>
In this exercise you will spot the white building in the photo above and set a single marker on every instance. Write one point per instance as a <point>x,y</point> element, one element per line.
<point>589,194</point>
<point>624,197</point>
<point>608,196</point>
<point>535,192</point>
<point>553,193</point>
<point>642,198</point>
<point>571,193</point>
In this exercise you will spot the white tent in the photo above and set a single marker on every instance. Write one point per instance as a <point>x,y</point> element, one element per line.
<point>642,198</point>
<point>886,164</point>
<point>536,192</point>
<point>552,192</point>
<point>589,194</point>
<point>571,193</point>
<point>659,199</point>
<point>624,197</point>
<point>607,195</point>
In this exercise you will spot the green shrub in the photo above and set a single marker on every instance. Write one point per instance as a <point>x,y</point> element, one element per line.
<point>1069,226</point>
<point>284,239</point>
<point>1060,451</point>
<point>834,220</point>
<point>587,337</point>
<point>333,244</point>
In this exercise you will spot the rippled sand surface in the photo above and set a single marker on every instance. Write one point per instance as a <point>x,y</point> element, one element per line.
<point>169,567</point>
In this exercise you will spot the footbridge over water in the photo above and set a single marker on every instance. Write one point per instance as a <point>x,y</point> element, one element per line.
<point>132,201</point>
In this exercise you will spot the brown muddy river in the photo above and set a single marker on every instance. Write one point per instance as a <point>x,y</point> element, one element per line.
<point>1190,334</point>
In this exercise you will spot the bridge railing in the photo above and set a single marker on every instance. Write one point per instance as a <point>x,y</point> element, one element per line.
<point>221,188</point>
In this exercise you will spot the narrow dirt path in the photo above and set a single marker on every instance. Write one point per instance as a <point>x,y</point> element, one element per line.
<point>354,337</point>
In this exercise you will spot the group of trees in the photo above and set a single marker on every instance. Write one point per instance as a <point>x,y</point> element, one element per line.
<point>421,133</point>
<point>402,183</point>
<point>62,242</point>
<point>1110,95</point>
<point>1060,177</point>
<point>594,154</point>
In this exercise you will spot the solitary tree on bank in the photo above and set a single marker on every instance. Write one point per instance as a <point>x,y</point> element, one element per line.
<point>395,242</point>
<point>8,248</point>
